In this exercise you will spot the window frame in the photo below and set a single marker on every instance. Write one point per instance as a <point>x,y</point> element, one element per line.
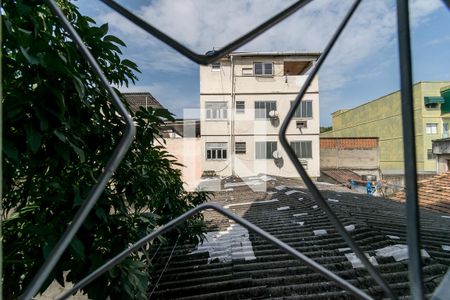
<point>265,102</point>
<point>221,113</point>
<point>300,149</point>
<point>429,128</point>
<point>430,154</point>
<point>240,110</point>
<point>240,151</point>
<point>214,67</point>
<point>268,154</point>
<point>214,151</point>
<point>298,114</point>
<point>263,68</point>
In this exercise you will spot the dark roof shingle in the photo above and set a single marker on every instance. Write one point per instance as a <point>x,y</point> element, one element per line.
<point>293,217</point>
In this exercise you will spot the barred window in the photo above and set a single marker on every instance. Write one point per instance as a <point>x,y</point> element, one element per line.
<point>303,149</point>
<point>264,150</point>
<point>262,68</point>
<point>215,66</point>
<point>216,110</point>
<point>304,110</point>
<point>431,128</point>
<point>216,151</point>
<point>262,109</point>
<point>240,107</point>
<point>430,154</point>
<point>240,147</point>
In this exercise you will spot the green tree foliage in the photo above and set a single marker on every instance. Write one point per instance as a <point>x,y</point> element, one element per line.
<point>325,128</point>
<point>59,131</point>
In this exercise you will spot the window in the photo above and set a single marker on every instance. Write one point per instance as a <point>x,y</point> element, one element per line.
<point>303,149</point>
<point>260,68</point>
<point>216,151</point>
<point>431,105</point>
<point>264,150</point>
<point>262,109</point>
<point>430,154</point>
<point>240,107</point>
<point>304,110</point>
<point>216,110</point>
<point>431,128</point>
<point>240,147</point>
<point>215,66</point>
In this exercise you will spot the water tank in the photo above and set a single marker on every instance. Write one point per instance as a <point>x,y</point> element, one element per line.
<point>369,177</point>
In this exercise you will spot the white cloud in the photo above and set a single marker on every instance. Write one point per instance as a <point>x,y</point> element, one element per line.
<point>204,24</point>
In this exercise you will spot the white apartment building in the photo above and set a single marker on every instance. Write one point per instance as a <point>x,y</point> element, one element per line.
<point>244,98</point>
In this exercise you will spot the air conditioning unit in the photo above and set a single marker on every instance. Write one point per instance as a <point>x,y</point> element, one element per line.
<point>302,124</point>
<point>276,154</point>
<point>273,114</point>
<point>304,163</point>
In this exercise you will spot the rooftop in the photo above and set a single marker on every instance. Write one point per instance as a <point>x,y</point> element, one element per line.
<point>434,193</point>
<point>234,264</point>
<point>141,99</point>
<point>272,54</point>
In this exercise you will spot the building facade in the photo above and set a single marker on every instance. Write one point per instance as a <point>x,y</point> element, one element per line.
<point>441,150</point>
<point>382,118</point>
<point>360,155</point>
<point>244,98</point>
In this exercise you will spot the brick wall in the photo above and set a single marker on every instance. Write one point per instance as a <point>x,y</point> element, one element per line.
<point>348,143</point>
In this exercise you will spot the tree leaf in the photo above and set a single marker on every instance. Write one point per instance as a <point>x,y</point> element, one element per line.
<point>79,86</point>
<point>130,64</point>
<point>34,138</point>
<point>104,29</point>
<point>32,60</point>
<point>79,151</point>
<point>77,247</point>
<point>112,38</point>
<point>10,150</point>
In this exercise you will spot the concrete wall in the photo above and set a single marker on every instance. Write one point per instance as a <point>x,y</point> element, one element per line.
<point>443,163</point>
<point>349,159</point>
<point>221,86</point>
<point>219,82</point>
<point>382,118</point>
<point>187,152</point>
<point>349,153</point>
<point>248,165</point>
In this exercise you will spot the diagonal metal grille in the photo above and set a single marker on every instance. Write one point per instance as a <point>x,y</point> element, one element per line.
<point>413,233</point>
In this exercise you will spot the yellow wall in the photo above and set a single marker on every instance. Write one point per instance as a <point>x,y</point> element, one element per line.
<point>382,118</point>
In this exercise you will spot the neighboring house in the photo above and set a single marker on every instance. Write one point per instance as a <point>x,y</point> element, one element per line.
<point>360,155</point>
<point>141,99</point>
<point>182,139</point>
<point>382,118</point>
<point>181,128</point>
<point>244,97</point>
<point>441,149</point>
<point>434,193</point>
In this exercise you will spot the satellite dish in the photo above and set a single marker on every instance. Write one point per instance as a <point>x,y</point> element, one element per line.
<point>273,114</point>
<point>276,154</point>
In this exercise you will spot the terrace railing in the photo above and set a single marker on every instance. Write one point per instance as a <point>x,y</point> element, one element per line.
<point>413,225</point>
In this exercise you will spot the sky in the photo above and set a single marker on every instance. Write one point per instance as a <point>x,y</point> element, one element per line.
<point>362,66</point>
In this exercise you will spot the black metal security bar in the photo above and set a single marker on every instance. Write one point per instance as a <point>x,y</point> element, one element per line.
<point>307,180</point>
<point>415,271</point>
<point>241,221</point>
<point>112,164</point>
<point>209,58</point>
<point>409,152</point>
